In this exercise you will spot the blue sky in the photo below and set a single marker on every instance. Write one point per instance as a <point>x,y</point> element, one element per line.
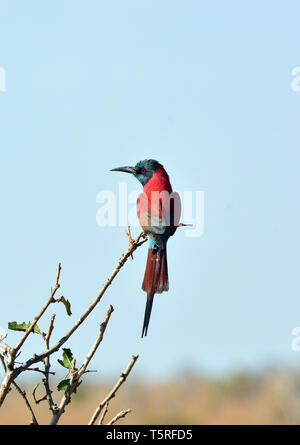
<point>203,87</point>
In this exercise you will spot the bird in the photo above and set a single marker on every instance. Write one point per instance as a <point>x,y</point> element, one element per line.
<point>158,211</point>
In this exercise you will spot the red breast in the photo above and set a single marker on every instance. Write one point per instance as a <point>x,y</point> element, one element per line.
<point>159,182</point>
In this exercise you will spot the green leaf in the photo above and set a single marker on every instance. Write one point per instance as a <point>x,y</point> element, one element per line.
<point>67,358</point>
<point>67,305</point>
<point>14,326</point>
<point>63,385</point>
<point>35,388</point>
<point>36,329</point>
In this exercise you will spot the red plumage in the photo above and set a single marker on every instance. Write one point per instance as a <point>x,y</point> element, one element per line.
<point>159,218</point>
<point>159,182</point>
<point>155,280</point>
<point>156,272</point>
<point>159,210</point>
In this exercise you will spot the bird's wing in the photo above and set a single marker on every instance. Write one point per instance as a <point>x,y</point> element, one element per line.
<point>160,213</point>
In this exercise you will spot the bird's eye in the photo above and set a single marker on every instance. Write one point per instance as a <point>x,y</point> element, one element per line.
<point>143,170</point>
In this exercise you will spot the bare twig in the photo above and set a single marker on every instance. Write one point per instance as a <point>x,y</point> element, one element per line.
<point>13,372</point>
<point>3,362</point>
<point>52,405</point>
<point>130,239</point>
<point>101,420</point>
<point>112,393</point>
<point>37,401</point>
<point>41,371</point>
<point>50,329</point>
<point>38,357</point>
<point>119,416</point>
<point>36,319</point>
<point>128,234</point>
<point>75,374</point>
<point>90,355</point>
<point>23,394</point>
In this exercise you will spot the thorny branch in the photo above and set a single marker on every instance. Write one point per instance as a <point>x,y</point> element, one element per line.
<point>101,420</point>
<point>75,375</point>
<point>112,393</point>
<point>23,394</point>
<point>48,396</point>
<point>12,353</point>
<point>8,358</point>
<point>119,416</point>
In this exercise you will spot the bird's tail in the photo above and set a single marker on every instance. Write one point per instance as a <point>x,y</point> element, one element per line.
<point>155,280</point>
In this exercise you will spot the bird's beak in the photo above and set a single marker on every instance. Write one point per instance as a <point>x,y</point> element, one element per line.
<point>124,169</point>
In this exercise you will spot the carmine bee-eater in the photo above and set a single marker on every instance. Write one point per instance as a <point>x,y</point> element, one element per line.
<point>158,210</point>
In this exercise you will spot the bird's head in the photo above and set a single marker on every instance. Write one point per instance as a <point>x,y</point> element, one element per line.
<point>143,170</point>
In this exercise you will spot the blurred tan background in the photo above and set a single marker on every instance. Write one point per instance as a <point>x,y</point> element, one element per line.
<point>272,397</point>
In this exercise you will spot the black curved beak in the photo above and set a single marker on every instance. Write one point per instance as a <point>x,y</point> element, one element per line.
<point>124,169</point>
